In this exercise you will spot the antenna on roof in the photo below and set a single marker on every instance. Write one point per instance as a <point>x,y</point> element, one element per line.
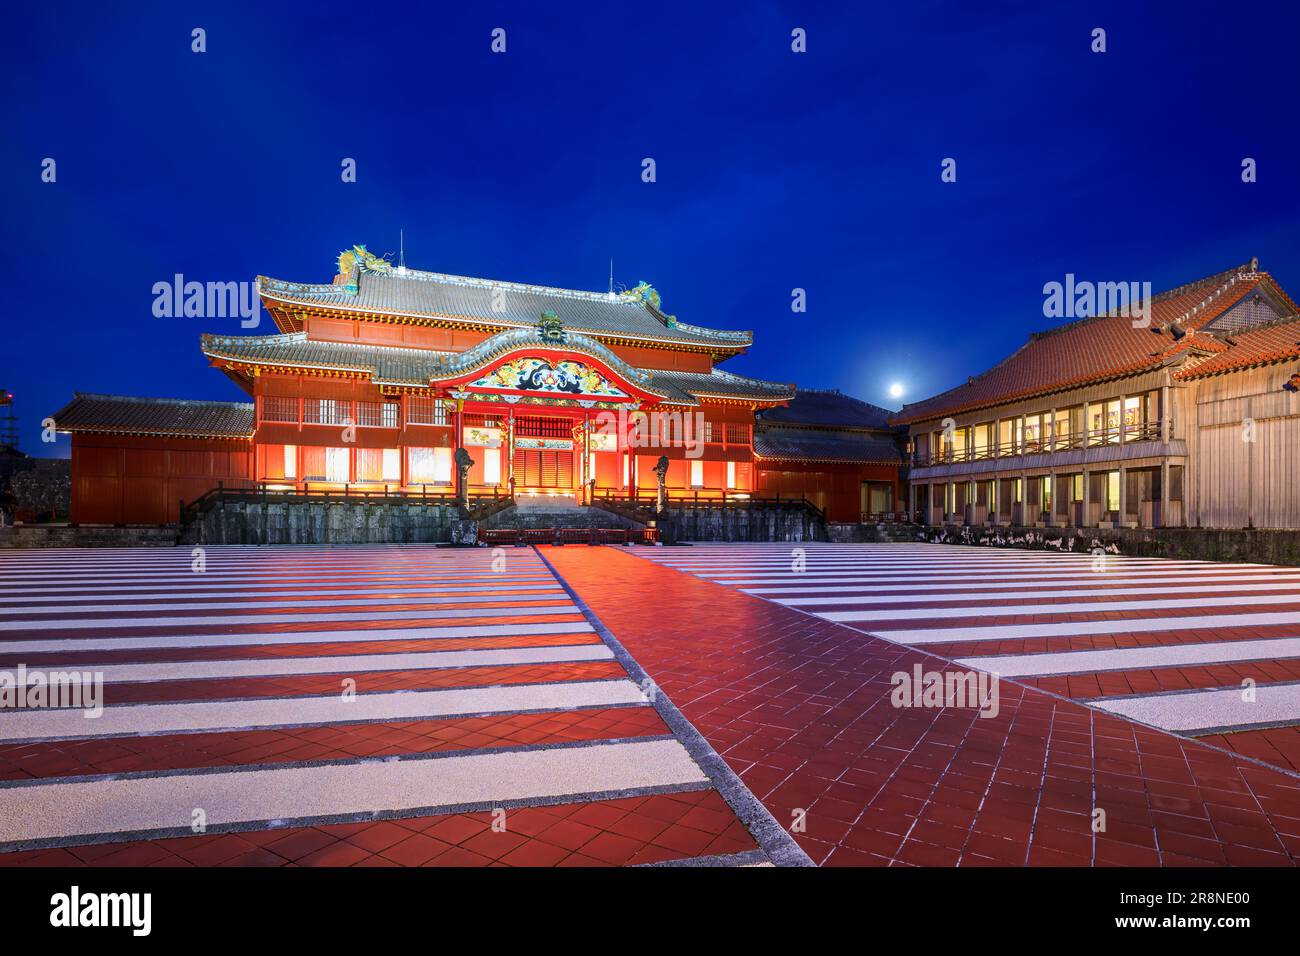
<point>611,278</point>
<point>401,252</point>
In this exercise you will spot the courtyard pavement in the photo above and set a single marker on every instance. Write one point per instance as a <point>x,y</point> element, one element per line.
<point>354,706</point>
<point>718,704</point>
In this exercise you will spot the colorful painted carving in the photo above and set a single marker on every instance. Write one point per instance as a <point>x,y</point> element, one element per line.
<point>644,292</point>
<point>537,374</point>
<point>358,254</point>
<point>544,444</point>
<point>482,437</point>
<point>550,328</point>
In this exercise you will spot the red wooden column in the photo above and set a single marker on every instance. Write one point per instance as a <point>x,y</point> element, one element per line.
<point>457,434</point>
<point>405,474</point>
<point>509,450</point>
<point>587,470</point>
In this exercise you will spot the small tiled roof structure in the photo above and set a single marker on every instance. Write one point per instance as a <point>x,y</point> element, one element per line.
<point>814,445</point>
<point>1183,324</point>
<point>129,415</point>
<point>827,426</point>
<point>1262,345</point>
<point>373,286</point>
<point>828,407</point>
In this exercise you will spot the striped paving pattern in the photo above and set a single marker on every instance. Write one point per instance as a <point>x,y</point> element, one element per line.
<point>1198,648</point>
<point>371,705</point>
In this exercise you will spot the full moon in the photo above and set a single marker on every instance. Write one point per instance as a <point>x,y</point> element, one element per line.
<point>896,390</point>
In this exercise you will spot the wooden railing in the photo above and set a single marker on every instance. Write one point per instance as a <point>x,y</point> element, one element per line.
<point>1148,431</point>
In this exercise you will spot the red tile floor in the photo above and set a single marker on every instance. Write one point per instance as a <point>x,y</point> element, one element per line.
<point>799,707</point>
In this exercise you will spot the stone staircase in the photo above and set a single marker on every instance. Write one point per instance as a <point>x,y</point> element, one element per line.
<point>542,511</point>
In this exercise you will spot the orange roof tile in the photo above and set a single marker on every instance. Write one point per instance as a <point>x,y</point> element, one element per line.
<point>1263,345</point>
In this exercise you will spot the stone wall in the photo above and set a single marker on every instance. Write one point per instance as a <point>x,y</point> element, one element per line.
<point>853,533</point>
<point>742,523</point>
<point>1200,544</point>
<point>324,522</point>
<point>87,536</point>
<point>515,517</point>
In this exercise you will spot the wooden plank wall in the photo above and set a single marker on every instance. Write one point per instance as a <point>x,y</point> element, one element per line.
<point>1239,482</point>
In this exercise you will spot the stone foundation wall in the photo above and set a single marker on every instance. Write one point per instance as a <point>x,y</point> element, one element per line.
<point>566,518</point>
<point>687,523</point>
<point>853,533</point>
<point>87,536</point>
<point>1199,544</point>
<point>313,522</point>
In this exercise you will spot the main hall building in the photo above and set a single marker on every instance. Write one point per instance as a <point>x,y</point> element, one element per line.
<point>373,381</point>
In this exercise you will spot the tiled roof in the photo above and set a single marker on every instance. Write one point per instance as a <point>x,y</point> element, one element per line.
<point>817,406</point>
<point>393,366</point>
<point>419,294</point>
<point>1103,347</point>
<point>720,384</point>
<point>1276,342</point>
<point>811,444</point>
<point>418,367</point>
<point>121,414</point>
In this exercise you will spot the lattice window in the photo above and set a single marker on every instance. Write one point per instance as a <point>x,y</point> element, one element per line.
<point>377,414</point>
<point>426,411</point>
<point>276,408</point>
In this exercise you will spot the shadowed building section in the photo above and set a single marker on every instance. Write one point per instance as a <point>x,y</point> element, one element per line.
<point>838,452</point>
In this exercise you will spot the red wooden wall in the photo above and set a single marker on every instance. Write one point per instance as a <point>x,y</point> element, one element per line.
<point>835,488</point>
<point>124,479</point>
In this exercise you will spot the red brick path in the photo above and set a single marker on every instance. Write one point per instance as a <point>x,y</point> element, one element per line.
<point>799,707</point>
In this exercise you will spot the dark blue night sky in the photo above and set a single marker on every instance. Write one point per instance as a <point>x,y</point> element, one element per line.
<point>775,170</point>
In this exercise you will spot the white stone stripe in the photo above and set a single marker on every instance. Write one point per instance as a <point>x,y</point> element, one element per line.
<point>249,713</point>
<point>204,592</point>
<point>15,649</point>
<point>809,578</point>
<point>339,664</point>
<point>1034,610</point>
<point>56,810</point>
<point>1096,584</point>
<point>271,601</point>
<point>335,575</point>
<point>1135,658</point>
<point>952,562</point>
<point>1210,709</point>
<point>278,619</point>
<point>1014,632</point>
<point>876,598</point>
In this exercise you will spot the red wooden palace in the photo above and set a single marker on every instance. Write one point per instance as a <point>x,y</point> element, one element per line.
<point>374,379</point>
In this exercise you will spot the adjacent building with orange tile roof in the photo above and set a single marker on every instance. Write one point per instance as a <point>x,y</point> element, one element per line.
<point>1185,416</point>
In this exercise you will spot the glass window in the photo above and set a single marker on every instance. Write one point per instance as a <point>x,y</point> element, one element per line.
<point>1061,428</point>
<point>1132,417</point>
<point>1033,434</point>
<point>961,443</point>
<point>697,474</point>
<point>291,461</point>
<point>731,474</point>
<point>492,466</point>
<point>337,466</point>
<point>392,464</point>
<point>1112,489</point>
<point>429,466</point>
